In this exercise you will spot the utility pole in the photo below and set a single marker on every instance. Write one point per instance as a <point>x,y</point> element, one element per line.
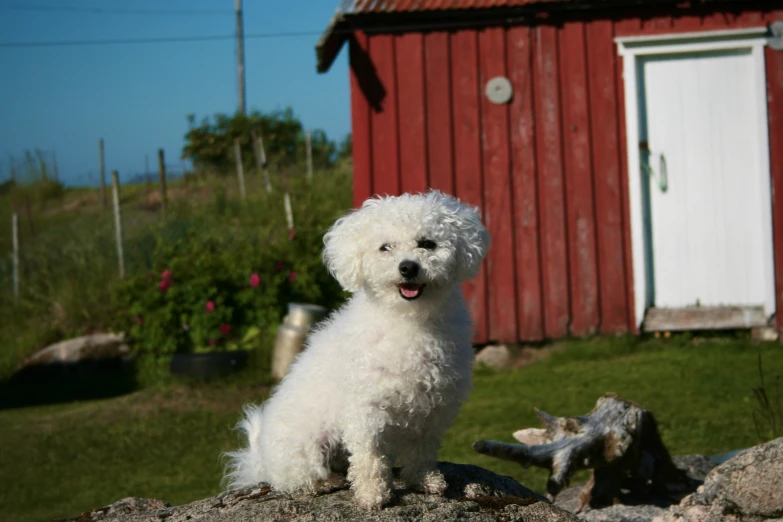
<point>240,56</point>
<point>103,172</point>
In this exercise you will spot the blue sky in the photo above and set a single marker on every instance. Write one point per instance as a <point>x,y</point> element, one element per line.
<point>137,96</point>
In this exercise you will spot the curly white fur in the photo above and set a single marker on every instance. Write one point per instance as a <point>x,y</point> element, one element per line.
<point>384,376</point>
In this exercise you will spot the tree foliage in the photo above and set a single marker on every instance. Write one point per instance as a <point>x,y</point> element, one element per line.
<point>210,145</point>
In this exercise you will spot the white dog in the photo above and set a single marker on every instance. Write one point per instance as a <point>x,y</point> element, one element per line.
<point>384,376</point>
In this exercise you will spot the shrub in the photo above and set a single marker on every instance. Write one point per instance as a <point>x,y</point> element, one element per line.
<point>214,291</point>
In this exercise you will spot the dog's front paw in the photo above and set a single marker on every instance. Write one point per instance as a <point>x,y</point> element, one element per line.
<point>372,498</point>
<point>430,482</point>
<point>435,483</point>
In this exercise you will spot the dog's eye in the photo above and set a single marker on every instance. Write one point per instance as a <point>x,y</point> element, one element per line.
<point>427,244</point>
<point>385,247</point>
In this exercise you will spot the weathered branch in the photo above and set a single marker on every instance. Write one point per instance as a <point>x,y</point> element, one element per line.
<point>618,440</point>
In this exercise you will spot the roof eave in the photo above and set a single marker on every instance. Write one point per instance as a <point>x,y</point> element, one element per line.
<point>343,24</point>
<point>330,43</point>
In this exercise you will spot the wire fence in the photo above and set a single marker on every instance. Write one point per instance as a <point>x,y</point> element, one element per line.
<point>54,234</point>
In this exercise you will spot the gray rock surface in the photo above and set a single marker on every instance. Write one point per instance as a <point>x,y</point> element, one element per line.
<point>746,488</point>
<point>474,494</point>
<point>95,346</point>
<point>622,513</point>
<point>497,356</point>
<point>637,510</point>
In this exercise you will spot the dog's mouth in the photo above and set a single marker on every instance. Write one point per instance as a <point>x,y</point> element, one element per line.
<point>411,291</point>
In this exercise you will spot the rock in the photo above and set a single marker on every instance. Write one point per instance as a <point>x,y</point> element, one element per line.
<point>764,334</point>
<point>474,494</point>
<point>744,488</point>
<point>622,513</point>
<point>496,356</point>
<point>696,466</point>
<point>643,509</point>
<point>95,346</point>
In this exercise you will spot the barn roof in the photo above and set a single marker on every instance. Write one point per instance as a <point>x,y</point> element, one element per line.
<point>407,6</point>
<point>422,14</point>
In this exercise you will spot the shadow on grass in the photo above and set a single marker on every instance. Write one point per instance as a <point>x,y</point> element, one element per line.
<point>57,383</point>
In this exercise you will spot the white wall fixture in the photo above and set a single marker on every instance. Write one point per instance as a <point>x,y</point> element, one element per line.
<point>499,90</point>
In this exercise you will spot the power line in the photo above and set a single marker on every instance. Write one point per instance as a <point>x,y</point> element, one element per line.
<point>419,26</point>
<point>165,39</point>
<point>103,10</point>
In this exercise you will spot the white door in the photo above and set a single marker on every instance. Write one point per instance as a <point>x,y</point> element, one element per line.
<point>705,180</point>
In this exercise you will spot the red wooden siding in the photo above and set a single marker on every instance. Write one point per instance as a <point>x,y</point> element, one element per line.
<point>384,123</point>
<point>360,120</point>
<point>606,138</point>
<point>547,169</point>
<point>468,173</point>
<point>774,60</point>
<point>524,187</point>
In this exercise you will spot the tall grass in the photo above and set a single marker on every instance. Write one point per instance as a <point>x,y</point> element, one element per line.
<point>69,260</point>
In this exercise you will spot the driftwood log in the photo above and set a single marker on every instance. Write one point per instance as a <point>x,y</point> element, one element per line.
<point>618,441</point>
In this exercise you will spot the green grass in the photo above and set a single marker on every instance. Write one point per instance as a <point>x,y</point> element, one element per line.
<point>57,461</point>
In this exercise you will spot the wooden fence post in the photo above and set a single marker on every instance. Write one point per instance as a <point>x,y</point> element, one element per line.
<point>11,165</point>
<point>29,211</point>
<point>240,170</point>
<point>148,185</point>
<point>309,150</point>
<point>56,171</point>
<point>262,159</point>
<point>15,239</point>
<point>103,173</point>
<point>115,185</point>
<point>162,180</point>
<point>289,214</point>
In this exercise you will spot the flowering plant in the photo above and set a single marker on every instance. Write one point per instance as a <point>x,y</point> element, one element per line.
<point>210,293</point>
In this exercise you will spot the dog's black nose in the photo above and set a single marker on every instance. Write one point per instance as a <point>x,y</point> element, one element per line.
<point>409,269</point>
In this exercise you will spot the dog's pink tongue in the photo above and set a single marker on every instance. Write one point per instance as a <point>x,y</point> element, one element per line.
<point>410,290</point>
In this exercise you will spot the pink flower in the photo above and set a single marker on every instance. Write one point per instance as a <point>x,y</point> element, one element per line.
<point>166,275</point>
<point>210,306</point>
<point>292,234</point>
<point>164,286</point>
<point>291,276</point>
<point>225,329</point>
<point>255,280</point>
<point>279,266</point>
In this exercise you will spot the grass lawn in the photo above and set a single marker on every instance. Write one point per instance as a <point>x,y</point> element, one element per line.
<point>57,461</point>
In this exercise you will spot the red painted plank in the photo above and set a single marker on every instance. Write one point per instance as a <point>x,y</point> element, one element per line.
<point>467,155</point>
<point>498,203</point>
<point>360,121</point>
<point>688,23</point>
<point>409,56</point>
<point>602,65</point>
<point>628,27</point>
<point>530,317</point>
<point>385,143</point>
<point>624,28</point>
<point>549,154</point>
<point>774,62</point>
<point>580,209</point>
<point>437,66</point>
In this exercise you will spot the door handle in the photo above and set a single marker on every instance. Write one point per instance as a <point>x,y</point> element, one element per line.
<point>661,177</point>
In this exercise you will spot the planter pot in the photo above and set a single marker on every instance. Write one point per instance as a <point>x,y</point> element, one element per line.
<point>205,365</point>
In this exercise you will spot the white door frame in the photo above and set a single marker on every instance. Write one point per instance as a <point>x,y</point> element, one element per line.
<point>632,47</point>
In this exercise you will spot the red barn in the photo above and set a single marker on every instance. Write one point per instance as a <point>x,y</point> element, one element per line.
<point>624,153</point>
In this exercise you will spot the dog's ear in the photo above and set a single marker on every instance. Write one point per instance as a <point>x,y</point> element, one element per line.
<point>472,238</point>
<point>341,253</point>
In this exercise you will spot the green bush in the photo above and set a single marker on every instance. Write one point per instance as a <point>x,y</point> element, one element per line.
<point>212,292</point>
